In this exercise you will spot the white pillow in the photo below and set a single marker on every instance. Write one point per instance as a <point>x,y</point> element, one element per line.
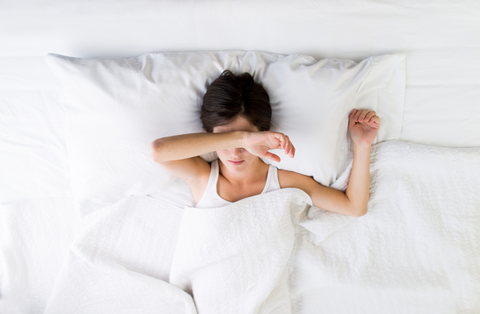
<point>115,107</point>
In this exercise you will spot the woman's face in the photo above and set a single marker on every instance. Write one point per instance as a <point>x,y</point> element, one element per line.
<point>236,159</point>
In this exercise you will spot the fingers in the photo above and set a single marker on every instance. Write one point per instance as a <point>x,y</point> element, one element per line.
<point>372,118</point>
<point>369,115</point>
<point>351,118</point>
<point>272,156</point>
<point>352,114</point>
<point>286,144</point>
<point>289,148</point>
<point>363,115</point>
<point>356,115</point>
<point>281,138</point>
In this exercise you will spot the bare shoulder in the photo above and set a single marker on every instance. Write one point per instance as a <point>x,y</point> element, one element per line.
<point>198,182</point>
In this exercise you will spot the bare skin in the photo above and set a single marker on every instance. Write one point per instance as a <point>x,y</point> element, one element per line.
<point>243,174</point>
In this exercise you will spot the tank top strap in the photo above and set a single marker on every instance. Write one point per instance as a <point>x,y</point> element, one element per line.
<point>272,183</point>
<point>212,180</point>
<point>211,198</point>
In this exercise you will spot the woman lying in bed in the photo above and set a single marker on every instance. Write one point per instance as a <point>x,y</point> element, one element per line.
<point>236,114</point>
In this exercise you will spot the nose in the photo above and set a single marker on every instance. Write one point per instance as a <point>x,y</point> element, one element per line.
<point>237,152</point>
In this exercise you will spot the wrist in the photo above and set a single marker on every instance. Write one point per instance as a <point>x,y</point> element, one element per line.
<point>359,146</point>
<point>241,138</point>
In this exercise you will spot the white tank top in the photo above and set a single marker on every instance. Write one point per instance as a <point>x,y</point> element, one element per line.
<point>211,198</point>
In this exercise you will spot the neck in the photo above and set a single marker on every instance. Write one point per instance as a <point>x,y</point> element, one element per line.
<point>257,170</point>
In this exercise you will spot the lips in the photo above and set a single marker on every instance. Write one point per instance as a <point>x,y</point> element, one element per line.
<point>236,162</point>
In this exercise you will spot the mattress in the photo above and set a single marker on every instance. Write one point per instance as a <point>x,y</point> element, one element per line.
<point>442,97</point>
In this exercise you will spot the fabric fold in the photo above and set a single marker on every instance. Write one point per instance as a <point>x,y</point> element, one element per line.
<point>235,259</point>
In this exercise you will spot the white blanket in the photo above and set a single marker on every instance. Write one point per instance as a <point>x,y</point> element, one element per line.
<point>236,258</point>
<point>416,251</point>
<point>120,262</point>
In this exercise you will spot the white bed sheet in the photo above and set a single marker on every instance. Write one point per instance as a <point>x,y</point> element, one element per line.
<point>417,249</point>
<point>34,239</point>
<point>441,38</point>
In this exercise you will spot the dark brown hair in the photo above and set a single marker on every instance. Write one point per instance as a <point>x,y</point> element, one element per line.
<point>230,96</point>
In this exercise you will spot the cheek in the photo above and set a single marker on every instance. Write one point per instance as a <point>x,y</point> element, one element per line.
<point>222,153</point>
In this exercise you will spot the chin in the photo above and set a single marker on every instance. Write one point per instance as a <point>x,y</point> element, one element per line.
<point>236,169</point>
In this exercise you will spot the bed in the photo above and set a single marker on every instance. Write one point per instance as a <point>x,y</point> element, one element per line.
<point>416,251</point>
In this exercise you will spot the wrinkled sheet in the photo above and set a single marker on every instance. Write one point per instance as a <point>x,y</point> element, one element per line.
<point>441,101</point>
<point>238,258</point>
<point>34,239</point>
<point>416,250</point>
<point>120,262</point>
<point>234,258</point>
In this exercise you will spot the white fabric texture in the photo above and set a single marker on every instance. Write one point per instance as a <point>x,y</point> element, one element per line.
<point>417,248</point>
<point>120,262</point>
<point>236,258</point>
<point>440,38</point>
<point>421,231</point>
<point>35,236</point>
<point>115,108</point>
<point>441,108</point>
<point>211,198</point>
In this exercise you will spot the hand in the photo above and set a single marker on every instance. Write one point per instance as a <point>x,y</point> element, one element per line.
<point>258,144</point>
<point>363,126</point>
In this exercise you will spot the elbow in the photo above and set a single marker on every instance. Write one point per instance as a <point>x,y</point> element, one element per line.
<point>358,209</point>
<point>361,212</point>
<point>154,149</point>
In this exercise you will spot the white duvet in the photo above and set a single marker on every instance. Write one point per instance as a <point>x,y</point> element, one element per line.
<point>233,259</point>
<point>237,258</point>
<point>416,250</point>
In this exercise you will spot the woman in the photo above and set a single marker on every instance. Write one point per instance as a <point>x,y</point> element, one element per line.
<point>236,115</point>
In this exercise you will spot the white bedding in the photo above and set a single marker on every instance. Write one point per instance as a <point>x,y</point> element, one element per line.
<point>231,257</point>
<point>34,239</point>
<point>441,39</point>
<point>416,250</point>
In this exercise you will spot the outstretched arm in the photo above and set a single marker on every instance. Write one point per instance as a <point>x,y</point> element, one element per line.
<point>359,184</point>
<point>363,127</point>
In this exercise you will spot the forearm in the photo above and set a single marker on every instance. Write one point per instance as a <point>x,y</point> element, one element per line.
<point>359,184</point>
<point>195,144</point>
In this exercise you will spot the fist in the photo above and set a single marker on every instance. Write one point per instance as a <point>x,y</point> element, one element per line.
<point>363,125</point>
